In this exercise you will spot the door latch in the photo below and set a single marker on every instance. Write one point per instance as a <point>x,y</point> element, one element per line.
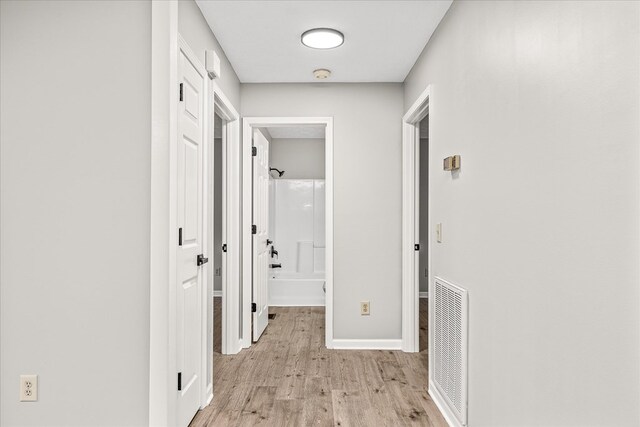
<point>201,260</point>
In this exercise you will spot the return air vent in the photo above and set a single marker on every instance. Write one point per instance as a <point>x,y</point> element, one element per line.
<point>450,346</point>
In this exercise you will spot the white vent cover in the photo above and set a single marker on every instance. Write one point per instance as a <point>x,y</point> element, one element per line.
<point>450,308</point>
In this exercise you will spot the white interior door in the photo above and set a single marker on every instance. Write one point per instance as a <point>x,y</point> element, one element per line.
<point>261,224</point>
<point>190,240</point>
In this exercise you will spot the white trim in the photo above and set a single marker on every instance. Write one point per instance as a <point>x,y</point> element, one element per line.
<point>439,400</point>
<point>259,122</point>
<point>217,294</point>
<point>424,294</point>
<point>164,99</point>
<point>231,259</point>
<point>281,304</point>
<point>358,344</point>
<point>410,257</point>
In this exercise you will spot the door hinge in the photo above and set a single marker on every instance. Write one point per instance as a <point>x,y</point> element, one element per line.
<point>254,229</point>
<point>254,151</point>
<point>416,246</point>
<point>179,381</point>
<point>180,236</point>
<point>254,307</point>
<point>181,91</point>
<point>224,247</point>
<point>200,260</point>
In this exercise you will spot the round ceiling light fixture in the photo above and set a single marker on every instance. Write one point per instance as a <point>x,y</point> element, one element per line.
<point>321,73</point>
<point>322,38</point>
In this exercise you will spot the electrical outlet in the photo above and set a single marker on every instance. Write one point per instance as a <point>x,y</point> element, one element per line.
<point>28,388</point>
<point>365,308</point>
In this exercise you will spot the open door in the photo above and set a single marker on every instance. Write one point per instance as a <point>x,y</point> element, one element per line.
<point>190,258</point>
<point>260,232</point>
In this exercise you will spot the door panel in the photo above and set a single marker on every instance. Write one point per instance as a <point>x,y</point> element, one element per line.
<point>190,220</point>
<point>261,221</point>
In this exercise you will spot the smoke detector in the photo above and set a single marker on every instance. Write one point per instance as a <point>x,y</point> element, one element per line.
<point>321,73</point>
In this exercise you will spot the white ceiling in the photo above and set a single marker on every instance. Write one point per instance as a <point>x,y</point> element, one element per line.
<point>383,39</point>
<point>297,132</point>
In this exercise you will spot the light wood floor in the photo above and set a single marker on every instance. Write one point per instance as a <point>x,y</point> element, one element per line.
<point>424,322</point>
<point>289,378</point>
<point>217,325</point>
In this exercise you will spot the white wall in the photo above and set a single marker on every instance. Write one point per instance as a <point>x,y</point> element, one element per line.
<point>75,206</point>
<point>299,158</point>
<point>196,32</point>
<point>367,197</point>
<point>541,100</point>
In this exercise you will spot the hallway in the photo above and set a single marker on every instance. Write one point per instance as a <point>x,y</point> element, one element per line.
<point>290,378</point>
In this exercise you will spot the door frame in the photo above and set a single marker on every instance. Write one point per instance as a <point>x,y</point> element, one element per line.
<point>166,45</point>
<point>410,211</point>
<point>231,224</point>
<point>249,123</point>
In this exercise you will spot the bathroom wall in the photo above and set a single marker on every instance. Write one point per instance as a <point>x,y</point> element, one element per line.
<point>300,158</point>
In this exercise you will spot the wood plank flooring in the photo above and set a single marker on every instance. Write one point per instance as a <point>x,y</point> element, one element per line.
<point>217,325</point>
<point>423,324</point>
<point>289,378</point>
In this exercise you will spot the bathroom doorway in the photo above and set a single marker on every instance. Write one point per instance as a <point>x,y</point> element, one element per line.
<point>299,211</point>
<point>297,217</point>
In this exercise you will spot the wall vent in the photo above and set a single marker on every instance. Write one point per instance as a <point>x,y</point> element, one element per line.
<point>450,325</point>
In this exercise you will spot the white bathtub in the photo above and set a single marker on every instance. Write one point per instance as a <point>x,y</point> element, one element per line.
<point>287,290</point>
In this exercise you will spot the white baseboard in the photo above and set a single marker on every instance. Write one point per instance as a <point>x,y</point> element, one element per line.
<point>424,294</point>
<point>342,344</point>
<point>217,294</point>
<point>286,304</point>
<point>440,402</point>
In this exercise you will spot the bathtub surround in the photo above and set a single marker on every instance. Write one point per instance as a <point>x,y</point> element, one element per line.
<point>297,212</point>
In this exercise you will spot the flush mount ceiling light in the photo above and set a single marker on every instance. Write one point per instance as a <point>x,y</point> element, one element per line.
<point>322,38</point>
<point>321,73</point>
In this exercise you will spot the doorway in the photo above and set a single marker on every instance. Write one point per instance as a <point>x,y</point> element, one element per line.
<point>416,229</point>
<point>265,260</point>
<point>422,191</point>
<point>217,249</point>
